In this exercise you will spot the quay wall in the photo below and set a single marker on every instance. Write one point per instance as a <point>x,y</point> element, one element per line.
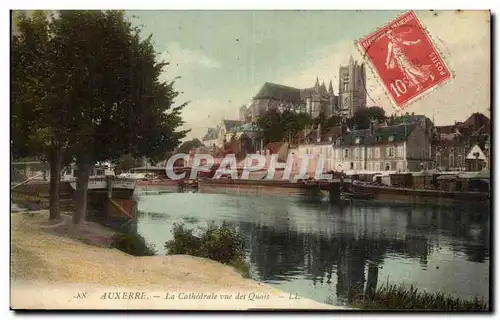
<point>422,196</point>
<point>261,188</point>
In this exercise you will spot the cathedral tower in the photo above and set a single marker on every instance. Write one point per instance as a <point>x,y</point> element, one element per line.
<point>352,84</point>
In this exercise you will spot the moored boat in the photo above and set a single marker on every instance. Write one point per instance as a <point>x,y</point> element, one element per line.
<point>102,175</point>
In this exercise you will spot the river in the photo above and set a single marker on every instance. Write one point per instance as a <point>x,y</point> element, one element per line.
<point>319,251</point>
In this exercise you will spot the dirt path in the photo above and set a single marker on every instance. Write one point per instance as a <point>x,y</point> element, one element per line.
<point>51,265</point>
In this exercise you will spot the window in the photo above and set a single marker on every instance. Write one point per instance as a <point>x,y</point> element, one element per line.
<point>357,140</point>
<point>377,152</point>
<point>401,151</point>
<point>451,161</point>
<point>387,166</point>
<point>346,153</point>
<point>352,166</point>
<point>356,153</point>
<point>400,166</point>
<point>438,159</point>
<point>460,161</point>
<point>369,155</point>
<point>379,139</point>
<point>391,152</point>
<point>370,167</point>
<point>338,154</point>
<point>391,138</point>
<point>377,166</point>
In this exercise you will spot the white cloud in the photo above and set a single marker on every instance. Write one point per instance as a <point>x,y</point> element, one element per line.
<point>183,60</point>
<point>462,38</point>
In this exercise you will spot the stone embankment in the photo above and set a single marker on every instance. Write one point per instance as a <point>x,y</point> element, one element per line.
<point>59,266</point>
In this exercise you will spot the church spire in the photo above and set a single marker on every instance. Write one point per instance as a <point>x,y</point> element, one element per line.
<point>351,60</point>
<point>330,87</point>
<point>317,83</point>
<point>323,88</point>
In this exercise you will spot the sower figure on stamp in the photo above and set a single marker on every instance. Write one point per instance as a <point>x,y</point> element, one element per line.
<point>396,55</point>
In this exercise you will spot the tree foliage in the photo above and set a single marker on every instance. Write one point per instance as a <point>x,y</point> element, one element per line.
<point>279,126</point>
<point>127,162</point>
<point>363,117</point>
<point>187,146</point>
<point>87,82</point>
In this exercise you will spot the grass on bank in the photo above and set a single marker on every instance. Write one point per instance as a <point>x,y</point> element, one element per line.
<point>410,298</point>
<point>220,243</point>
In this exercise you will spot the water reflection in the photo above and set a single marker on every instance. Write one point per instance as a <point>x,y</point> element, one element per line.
<point>318,249</point>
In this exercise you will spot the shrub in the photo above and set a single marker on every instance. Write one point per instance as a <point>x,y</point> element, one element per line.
<point>184,241</point>
<point>400,297</point>
<point>133,244</point>
<point>220,243</point>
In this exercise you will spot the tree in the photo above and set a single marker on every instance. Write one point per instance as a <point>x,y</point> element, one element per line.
<point>126,162</point>
<point>273,127</point>
<point>38,98</point>
<point>363,117</point>
<point>333,121</point>
<point>187,146</point>
<point>279,126</point>
<point>376,113</point>
<point>111,99</point>
<point>122,99</point>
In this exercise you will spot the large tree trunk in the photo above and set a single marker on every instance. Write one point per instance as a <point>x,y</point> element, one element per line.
<point>55,160</point>
<point>82,181</point>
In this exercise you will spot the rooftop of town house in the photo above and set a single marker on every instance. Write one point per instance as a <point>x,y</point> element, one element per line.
<point>310,136</point>
<point>380,135</point>
<point>476,120</point>
<point>230,124</point>
<point>211,134</point>
<point>247,127</point>
<point>407,118</point>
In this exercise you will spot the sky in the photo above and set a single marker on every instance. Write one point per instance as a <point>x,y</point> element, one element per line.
<point>224,57</point>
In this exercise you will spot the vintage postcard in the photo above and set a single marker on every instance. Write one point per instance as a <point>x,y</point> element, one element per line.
<point>250,160</point>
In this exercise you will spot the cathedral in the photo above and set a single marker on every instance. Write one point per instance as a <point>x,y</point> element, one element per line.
<point>352,88</point>
<point>315,100</point>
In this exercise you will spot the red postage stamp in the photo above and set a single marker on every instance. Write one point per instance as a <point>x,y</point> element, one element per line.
<point>405,59</point>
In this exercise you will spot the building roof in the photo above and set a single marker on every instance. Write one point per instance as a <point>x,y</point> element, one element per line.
<point>306,93</point>
<point>279,92</point>
<point>247,127</point>
<point>381,135</point>
<point>332,132</point>
<point>450,129</point>
<point>230,124</point>
<point>211,134</point>
<point>476,120</point>
<point>310,135</point>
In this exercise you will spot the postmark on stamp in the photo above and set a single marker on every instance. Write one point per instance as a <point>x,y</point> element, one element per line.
<point>405,59</point>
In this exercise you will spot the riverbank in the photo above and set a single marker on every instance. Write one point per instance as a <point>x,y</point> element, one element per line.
<point>58,266</point>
